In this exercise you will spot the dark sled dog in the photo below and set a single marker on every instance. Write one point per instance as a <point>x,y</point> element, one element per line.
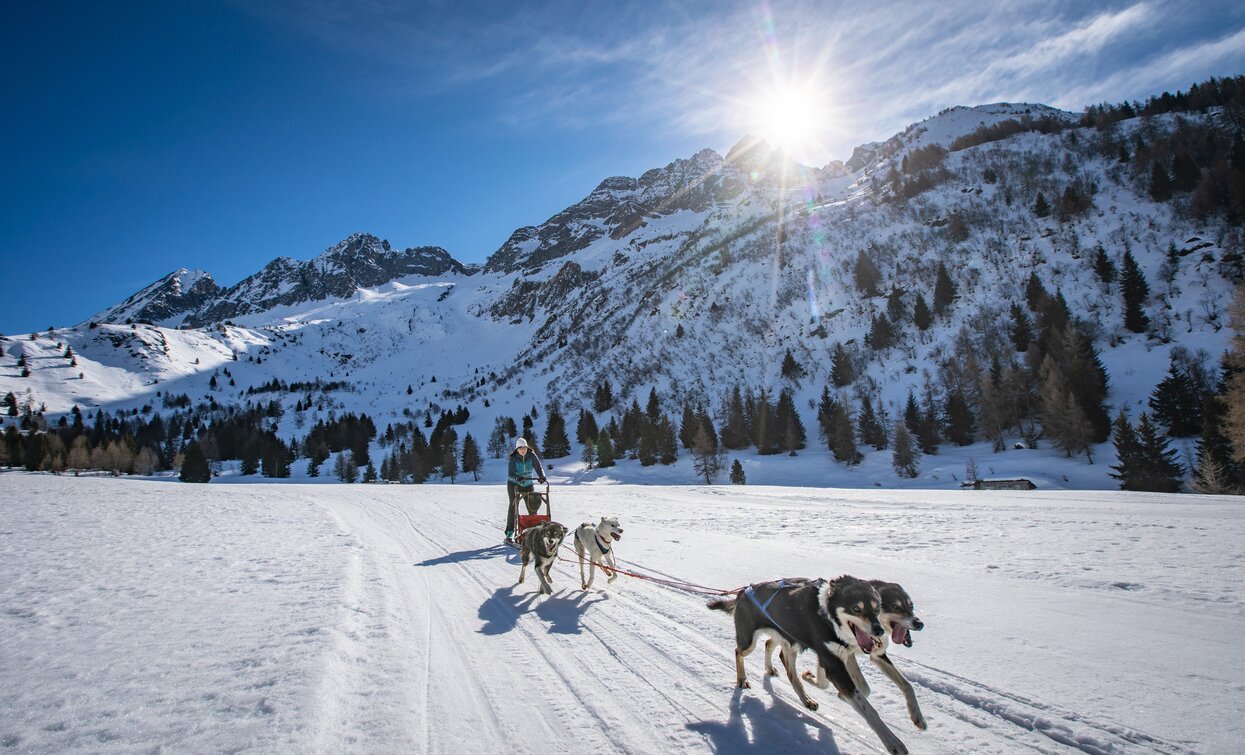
<point>541,543</point>
<point>899,619</point>
<point>834,619</point>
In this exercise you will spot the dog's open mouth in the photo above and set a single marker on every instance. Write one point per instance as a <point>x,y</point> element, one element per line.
<point>900,636</point>
<point>616,535</point>
<point>862,639</point>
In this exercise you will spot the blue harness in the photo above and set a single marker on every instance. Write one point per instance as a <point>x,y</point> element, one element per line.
<point>604,548</point>
<point>763,607</point>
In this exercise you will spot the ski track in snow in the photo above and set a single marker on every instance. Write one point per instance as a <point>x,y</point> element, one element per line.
<point>148,616</point>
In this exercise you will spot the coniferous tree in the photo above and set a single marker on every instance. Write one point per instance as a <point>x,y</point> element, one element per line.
<point>652,409</point>
<point>841,371</point>
<point>1035,293</point>
<point>944,290</point>
<point>894,305</point>
<point>586,430</point>
<point>1021,329</point>
<point>928,431</point>
<point>737,474</point>
<point>1135,290</point>
<point>959,418</point>
<point>605,450</point>
<point>1177,403</point>
<point>872,431</point>
<point>250,458</point>
<point>603,398</point>
<point>787,422</point>
<point>867,275</point>
<point>556,444</point>
<point>1063,419</point>
<point>647,448</point>
<point>1041,208</point>
<point>687,428</point>
<point>791,369</point>
<point>346,468</point>
<point>921,316</point>
<point>825,415</point>
<point>843,435</point>
<point>369,473</point>
<point>667,441</point>
<point>449,455</point>
<point>195,465</point>
<point>1160,183</point>
<point>707,459</point>
<point>1214,447</point>
<point>766,431</point>
<point>881,335</point>
<point>472,462</point>
<point>735,432</point>
<point>903,455</point>
<point>1104,268</point>
<point>1157,469</point>
<point>589,455</point>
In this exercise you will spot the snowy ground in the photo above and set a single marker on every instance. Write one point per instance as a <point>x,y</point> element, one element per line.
<point>144,616</point>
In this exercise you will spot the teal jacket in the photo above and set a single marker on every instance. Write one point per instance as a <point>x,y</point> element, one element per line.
<point>524,468</point>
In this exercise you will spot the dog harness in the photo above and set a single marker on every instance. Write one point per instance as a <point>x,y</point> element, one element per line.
<point>762,607</point>
<point>604,548</point>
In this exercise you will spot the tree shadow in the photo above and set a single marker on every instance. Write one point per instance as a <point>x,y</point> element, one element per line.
<point>478,554</point>
<point>779,727</point>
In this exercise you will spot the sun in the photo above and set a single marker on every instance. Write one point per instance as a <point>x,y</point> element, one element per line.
<point>790,118</point>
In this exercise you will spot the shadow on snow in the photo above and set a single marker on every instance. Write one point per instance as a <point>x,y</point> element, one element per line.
<point>778,727</point>
<point>562,610</point>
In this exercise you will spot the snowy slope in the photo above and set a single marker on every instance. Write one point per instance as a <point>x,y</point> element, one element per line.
<point>747,256</point>
<point>147,615</point>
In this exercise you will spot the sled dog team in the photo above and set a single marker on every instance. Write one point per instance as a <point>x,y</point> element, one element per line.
<point>837,619</point>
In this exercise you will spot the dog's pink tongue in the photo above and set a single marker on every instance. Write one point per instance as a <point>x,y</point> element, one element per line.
<point>862,639</point>
<point>899,635</point>
<point>616,536</point>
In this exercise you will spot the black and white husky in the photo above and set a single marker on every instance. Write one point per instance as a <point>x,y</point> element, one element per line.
<point>899,620</point>
<point>595,544</point>
<point>541,543</point>
<point>833,619</point>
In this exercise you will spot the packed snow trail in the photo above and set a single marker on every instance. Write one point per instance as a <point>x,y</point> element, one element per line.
<point>336,618</point>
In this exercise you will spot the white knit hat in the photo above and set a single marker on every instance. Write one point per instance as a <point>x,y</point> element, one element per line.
<point>520,443</point>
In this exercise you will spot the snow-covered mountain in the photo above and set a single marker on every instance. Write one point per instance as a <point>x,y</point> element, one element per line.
<point>690,279</point>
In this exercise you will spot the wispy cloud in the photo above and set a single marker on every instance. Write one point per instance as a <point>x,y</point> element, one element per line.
<point>696,66</point>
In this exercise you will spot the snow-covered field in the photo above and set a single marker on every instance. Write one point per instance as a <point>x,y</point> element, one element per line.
<point>149,616</point>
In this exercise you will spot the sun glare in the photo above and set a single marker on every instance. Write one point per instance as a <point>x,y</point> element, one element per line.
<point>788,119</point>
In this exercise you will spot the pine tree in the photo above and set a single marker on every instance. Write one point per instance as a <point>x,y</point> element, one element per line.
<point>1041,208</point>
<point>787,421</point>
<point>346,468</point>
<point>1135,290</point>
<point>921,316</point>
<point>737,474</point>
<point>195,465</point>
<point>687,429</point>
<point>667,441</point>
<point>556,444</point>
<point>825,416</point>
<point>472,462</point>
<point>1063,419</point>
<point>586,430</point>
<point>872,431</point>
<point>881,335</point>
<point>867,275</point>
<point>603,398</point>
<point>1022,329</point>
<point>1157,470</point>
<point>706,458</point>
<point>1160,183</point>
<point>928,431</point>
<point>903,455</point>
<point>944,290</point>
<point>605,450</point>
<point>369,473</point>
<point>589,455</point>
<point>791,369</point>
<point>1104,268</point>
<point>1177,403</point>
<point>1035,293</point>
<point>449,455</point>
<point>959,418</point>
<point>843,435</point>
<point>841,371</point>
<point>766,430</point>
<point>735,433</point>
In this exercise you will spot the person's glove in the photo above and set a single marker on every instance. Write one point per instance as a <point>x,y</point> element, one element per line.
<point>543,481</point>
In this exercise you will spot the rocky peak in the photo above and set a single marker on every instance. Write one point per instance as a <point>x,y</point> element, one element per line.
<point>167,301</point>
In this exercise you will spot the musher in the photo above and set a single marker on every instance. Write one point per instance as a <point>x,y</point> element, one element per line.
<point>524,468</point>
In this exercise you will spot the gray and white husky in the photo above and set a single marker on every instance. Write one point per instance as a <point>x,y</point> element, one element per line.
<point>595,543</point>
<point>541,543</point>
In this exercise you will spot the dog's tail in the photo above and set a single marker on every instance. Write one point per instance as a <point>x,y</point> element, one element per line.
<point>725,603</point>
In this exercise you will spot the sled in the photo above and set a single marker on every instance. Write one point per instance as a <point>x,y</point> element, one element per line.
<point>533,518</point>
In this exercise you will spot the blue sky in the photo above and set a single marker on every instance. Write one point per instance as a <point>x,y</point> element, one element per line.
<point>140,137</point>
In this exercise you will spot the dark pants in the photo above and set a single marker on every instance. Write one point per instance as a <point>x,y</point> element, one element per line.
<point>529,499</point>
